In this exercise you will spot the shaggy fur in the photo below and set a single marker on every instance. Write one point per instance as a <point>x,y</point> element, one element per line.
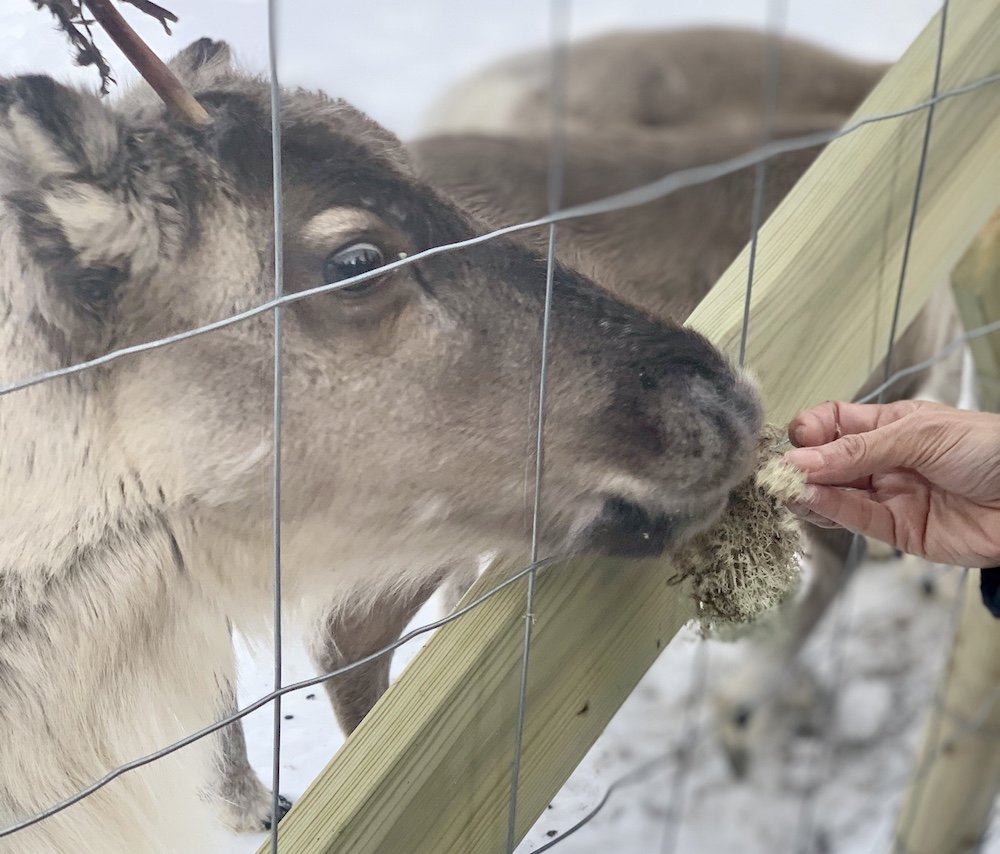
<point>135,514</point>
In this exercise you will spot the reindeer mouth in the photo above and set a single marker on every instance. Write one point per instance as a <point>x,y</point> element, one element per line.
<point>624,528</point>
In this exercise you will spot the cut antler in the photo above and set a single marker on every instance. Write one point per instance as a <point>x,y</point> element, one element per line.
<point>147,63</point>
<point>73,22</point>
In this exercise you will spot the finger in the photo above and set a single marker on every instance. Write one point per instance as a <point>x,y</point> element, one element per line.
<point>806,515</point>
<point>806,461</point>
<point>853,510</point>
<point>831,420</point>
<point>852,459</point>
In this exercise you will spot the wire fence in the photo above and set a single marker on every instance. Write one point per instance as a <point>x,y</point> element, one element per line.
<point>807,815</point>
<point>560,23</point>
<point>560,14</point>
<point>279,292</point>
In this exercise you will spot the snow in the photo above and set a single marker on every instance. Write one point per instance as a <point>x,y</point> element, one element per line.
<point>829,772</point>
<point>864,709</point>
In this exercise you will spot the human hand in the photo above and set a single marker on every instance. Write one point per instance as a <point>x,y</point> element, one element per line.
<point>921,476</point>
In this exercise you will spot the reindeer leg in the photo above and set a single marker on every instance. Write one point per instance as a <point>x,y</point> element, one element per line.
<point>349,635</point>
<point>743,708</point>
<point>243,802</point>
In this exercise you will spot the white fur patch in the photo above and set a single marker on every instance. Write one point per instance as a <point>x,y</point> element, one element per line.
<point>334,224</point>
<point>100,227</point>
<point>26,143</point>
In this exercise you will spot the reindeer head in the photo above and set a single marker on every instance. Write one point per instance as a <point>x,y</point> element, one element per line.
<point>409,400</point>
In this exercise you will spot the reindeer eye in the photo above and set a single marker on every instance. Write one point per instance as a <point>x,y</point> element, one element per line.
<point>352,261</point>
<point>96,286</point>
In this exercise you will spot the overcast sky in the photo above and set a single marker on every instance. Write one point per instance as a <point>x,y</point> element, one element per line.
<point>392,58</point>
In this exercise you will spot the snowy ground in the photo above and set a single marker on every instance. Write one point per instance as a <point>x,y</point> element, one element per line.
<point>836,785</point>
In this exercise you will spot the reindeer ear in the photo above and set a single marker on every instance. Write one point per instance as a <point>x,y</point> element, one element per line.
<point>48,130</point>
<point>70,173</point>
<point>202,63</point>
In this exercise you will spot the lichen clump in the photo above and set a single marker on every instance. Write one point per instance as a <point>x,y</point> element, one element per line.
<point>748,562</point>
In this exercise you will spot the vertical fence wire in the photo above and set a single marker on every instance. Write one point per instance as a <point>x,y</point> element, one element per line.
<point>938,719</point>
<point>774,26</point>
<point>691,739</point>
<point>917,188</point>
<point>838,638</point>
<point>777,13</point>
<point>279,288</point>
<point>559,24</point>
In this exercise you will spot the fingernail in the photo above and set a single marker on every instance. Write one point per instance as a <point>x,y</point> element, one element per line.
<point>797,509</point>
<point>798,434</point>
<point>804,459</point>
<point>801,506</point>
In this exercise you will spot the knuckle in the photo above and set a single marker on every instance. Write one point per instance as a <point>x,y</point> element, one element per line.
<point>853,446</point>
<point>908,408</point>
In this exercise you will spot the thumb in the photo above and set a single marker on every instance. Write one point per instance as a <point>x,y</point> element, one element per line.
<point>852,459</point>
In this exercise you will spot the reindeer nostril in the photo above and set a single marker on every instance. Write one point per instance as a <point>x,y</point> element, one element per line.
<point>624,528</point>
<point>646,379</point>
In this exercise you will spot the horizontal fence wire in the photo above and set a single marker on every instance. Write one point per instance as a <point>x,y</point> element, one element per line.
<point>649,768</point>
<point>641,195</point>
<point>644,194</point>
<point>640,774</point>
<point>260,702</point>
<point>540,565</point>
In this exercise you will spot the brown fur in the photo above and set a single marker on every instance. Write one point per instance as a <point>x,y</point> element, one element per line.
<point>636,83</point>
<point>641,105</point>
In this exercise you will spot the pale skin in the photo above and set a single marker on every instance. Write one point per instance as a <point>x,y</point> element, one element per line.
<point>919,475</point>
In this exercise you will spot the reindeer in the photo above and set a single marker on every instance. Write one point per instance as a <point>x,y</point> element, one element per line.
<point>136,505</point>
<point>640,83</point>
<point>640,105</point>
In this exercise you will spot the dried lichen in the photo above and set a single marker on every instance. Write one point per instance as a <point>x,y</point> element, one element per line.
<point>780,480</point>
<point>748,562</point>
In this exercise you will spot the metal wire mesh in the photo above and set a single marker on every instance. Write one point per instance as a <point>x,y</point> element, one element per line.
<point>559,13</point>
<point>807,815</point>
<point>279,291</point>
<point>640,195</point>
